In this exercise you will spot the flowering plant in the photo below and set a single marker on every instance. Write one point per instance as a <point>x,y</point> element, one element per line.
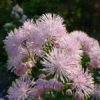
<point>50,62</point>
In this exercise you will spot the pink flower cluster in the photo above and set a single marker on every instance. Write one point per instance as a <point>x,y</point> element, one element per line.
<point>61,55</point>
<point>90,46</point>
<point>26,42</point>
<point>29,89</point>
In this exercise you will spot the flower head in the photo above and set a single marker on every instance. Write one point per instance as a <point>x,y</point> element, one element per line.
<point>14,47</point>
<point>90,46</point>
<point>83,82</point>
<point>51,25</point>
<point>83,38</point>
<point>21,42</point>
<point>20,88</point>
<point>59,63</point>
<point>86,42</point>
<point>71,45</point>
<point>36,37</point>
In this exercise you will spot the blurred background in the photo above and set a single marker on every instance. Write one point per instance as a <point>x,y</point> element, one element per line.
<point>81,15</point>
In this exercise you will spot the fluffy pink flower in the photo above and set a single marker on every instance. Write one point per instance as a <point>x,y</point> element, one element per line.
<point>29,27</point>
<point>13,42</point>
<point>19,43</point>
<point>14,47</point>
<point>59,63</point>
<point>86,42</point>
<point>90,46</point>
<point>51,25</point>
<point>36,37</point>
<point>36,42</point>
<point>72,46</point>
<point>83,82</point>
<point>83,38</point>
<point>20,88</point>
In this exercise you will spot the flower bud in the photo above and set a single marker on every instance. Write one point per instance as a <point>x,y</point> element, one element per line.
<point>54,84</point>
<point>39,98</point>
<point>41,76</point>
<point>57,45</point>
<point>79,96</point>
<point>42,84</point>
<point>34,93</point>
<point>89,66</point>
<point>29,64</point>
<point>69,92</point>
<point>21,70</point>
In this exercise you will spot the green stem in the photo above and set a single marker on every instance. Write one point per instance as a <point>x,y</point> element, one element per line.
<point>56,93</point>
<point>32,58</point>
<point>50,96</point>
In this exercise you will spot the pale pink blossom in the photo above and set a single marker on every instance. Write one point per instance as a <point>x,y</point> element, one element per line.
<point>83,82</point>
<point>79,96</point>
<point>37,38</point>
<point>20,88</point>
<point>13,42</point>
<point>59,63</point>
<point>28,27</point>
<point>14,47</point>
<point>86,41</point>
<point>83,38</point>
<point>90,46</point>
<point>51,25</point>
<point>23,43</point>
<point>72,46</point>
